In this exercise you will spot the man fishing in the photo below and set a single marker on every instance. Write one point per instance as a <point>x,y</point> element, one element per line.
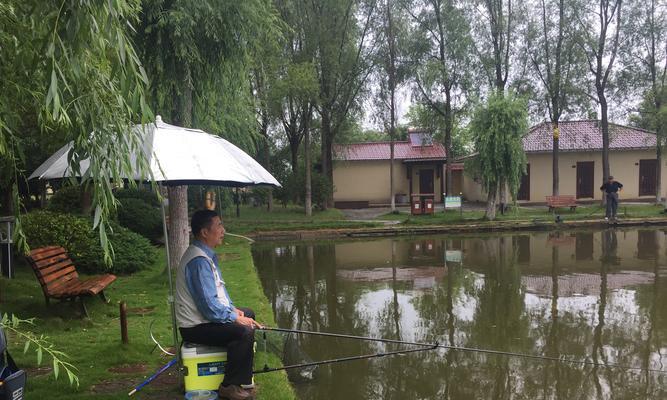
<point>206,314</point>
<point>611,189</point>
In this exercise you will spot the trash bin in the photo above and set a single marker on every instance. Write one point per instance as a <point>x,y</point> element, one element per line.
<point>428,206</point>
<point>416,206</point>
<point>6,225</point>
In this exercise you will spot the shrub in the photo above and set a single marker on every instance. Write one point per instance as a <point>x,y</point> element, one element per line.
<point>132,252</point>
<point>140,217</point>
<point>67,200</point>
<point>146,196</point>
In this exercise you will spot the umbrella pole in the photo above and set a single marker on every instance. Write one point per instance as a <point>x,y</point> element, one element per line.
<point>170,298</point>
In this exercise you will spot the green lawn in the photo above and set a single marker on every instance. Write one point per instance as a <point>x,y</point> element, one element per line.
<point>94,344</point>
<point>524,214</point>
<point>290,218</point>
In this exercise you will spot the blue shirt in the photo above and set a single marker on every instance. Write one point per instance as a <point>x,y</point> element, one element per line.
<point>201,283</point>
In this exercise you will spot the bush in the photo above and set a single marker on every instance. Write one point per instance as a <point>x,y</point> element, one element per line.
<point>146,196</point>
<point>140,217</point>
<point>132,252</point>
<point>66,200</point>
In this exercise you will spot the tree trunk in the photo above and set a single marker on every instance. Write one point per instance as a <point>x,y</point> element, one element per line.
<point>491,204</point>
<point>309,191</point>
<point>605,138</point>
<point>267,165</point>
<point>449,126</point>
<point>179,236</point>
<point>326,134</point>
<point>658,171</point>
<point>556,178</point>
<point>391,72</point>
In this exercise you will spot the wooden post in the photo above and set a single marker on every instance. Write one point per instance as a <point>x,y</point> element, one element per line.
<point>123,323</point>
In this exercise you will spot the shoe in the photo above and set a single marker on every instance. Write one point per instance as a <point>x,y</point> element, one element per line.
<point>606,218</point>
<point>252,392</point>
<point>233,392</point>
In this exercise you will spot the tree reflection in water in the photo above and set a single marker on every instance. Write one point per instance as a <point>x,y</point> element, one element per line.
<point>582,295</point>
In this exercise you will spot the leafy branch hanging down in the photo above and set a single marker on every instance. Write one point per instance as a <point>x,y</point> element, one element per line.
<point>41,345</point>
<point>73,70</point>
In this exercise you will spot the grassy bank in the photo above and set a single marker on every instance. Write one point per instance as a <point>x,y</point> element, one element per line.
<point>290,218</point>
<point>108,369</point>
<point>524,214</point>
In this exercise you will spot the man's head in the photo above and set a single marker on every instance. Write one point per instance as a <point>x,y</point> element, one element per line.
<point>610,178</point>
<point>207,227</point>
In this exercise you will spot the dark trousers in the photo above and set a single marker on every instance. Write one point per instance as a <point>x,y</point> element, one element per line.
<point>612,205</point>
<point>239,341</point>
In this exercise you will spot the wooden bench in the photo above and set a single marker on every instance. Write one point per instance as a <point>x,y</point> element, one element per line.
<point>59,280</point>
<point>554,202</point>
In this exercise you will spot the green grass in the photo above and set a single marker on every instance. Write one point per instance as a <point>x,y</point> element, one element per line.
<point>290,218</point>
<point>523,214</point>
<point>94,344</point>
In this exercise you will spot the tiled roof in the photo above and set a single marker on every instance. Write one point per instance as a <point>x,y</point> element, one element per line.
<point>586,136</point>
<point>380,151</point>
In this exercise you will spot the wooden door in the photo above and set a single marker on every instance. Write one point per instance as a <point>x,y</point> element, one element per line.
<point>524,188</point>
<point>426,181</point>
<point>647,177</point>
<point>585,180</point>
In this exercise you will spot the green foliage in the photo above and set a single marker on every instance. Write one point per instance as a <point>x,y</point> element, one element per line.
<point>147,196</point>
<point>499,126</point>
<point>41,345</point>
<point>132,252</point>
<point>70,67</point>
<point>141,217</point>
<point>66,200</point>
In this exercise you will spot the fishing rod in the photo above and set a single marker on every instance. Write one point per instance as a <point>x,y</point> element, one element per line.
<point>432,346</point>
<point>343,359</point>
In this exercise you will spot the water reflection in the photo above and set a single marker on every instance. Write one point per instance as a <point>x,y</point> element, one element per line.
<point>591,295</point>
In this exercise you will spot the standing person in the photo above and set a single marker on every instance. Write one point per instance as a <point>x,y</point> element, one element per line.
<point>205,312</point>
<point>611,189</point>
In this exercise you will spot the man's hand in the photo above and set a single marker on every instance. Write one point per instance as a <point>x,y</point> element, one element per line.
<point>249,322</point>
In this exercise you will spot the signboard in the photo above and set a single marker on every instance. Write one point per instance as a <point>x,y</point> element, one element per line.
<point>452,202</point>
<point>453,256</point>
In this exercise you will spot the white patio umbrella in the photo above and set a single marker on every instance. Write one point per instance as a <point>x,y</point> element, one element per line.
<point>176,156</point>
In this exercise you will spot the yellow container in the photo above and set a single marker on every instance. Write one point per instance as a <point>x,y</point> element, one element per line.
<point>204,366</point>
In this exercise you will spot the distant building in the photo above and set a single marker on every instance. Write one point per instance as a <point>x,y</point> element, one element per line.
<point>632,161</point>
<point>361,171</point>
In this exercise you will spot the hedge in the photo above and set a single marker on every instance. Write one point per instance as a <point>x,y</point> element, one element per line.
<point>132,252</point>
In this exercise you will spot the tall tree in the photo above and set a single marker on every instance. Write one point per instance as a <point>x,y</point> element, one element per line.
<point>340,32</point>
<point>442,64</point>
<point>554,60</point>
<point>600,40</point>
<point>390,35</point>
<point>295,88</point>
<point>495,28</point>
<point>197,54</point>
<point>645,58</point>
<point>499,127</point>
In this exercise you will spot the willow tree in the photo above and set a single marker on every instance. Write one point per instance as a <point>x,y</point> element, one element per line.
<point>499,127</point>
<point>70,67</point>
<point>197,54</point>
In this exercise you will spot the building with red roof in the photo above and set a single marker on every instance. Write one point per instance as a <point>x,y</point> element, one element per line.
<point>361,171</point>
<point>632,161</point>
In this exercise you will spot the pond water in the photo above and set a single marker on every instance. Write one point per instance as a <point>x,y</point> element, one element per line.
<point>599,296</point>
